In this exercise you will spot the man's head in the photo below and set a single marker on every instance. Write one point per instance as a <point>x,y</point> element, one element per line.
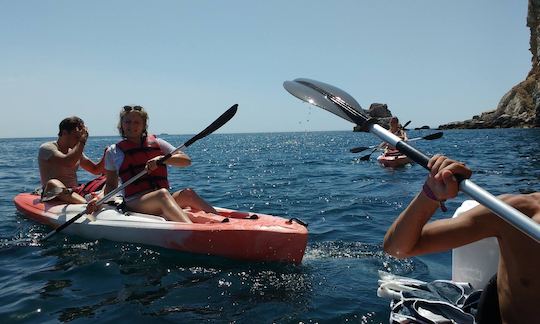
<point>70,130</point>
<point>70,124</point>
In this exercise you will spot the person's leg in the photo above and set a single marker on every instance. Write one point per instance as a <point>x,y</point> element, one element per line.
<point>159,202</point>
<point>66,196</point>
<point>189,198</point>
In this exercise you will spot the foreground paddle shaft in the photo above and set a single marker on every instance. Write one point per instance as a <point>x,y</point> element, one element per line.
<point>342,104</point>
<point>222,120</point>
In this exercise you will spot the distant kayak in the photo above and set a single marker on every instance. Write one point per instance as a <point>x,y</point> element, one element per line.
<point>231,234</point>
<point>393,160</point>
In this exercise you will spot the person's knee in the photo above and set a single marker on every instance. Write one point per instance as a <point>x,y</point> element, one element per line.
<point>186,193</point>
<point>163,193</point>
<point>54,183</point>
<point>189,192</point>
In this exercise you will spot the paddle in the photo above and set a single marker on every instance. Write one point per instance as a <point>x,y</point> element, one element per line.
<point>363,148</point>
<point>339,102</point>
<point>429,137</point>
<point>406,124</point>
<point>224,118</point>
<point>366,157</point>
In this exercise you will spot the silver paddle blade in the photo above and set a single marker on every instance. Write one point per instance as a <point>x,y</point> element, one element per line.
<point>327,97</point>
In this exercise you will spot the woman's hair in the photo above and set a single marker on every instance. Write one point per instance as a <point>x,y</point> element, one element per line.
<point>68,124</point>
<point>138,110</point>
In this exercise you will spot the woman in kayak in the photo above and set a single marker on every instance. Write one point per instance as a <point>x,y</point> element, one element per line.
<point>139,150</point>
<point>397,130</point>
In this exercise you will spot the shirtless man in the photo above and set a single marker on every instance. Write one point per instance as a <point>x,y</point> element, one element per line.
<point>60,159</point>
<point>518,283</point>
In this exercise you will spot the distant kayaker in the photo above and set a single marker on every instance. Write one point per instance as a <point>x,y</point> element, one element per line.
<point>397,130</point>
<point>59,161</point>
<point>139,150</point>
<point>515,292</point>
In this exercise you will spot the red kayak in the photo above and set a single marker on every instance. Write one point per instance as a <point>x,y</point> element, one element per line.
<point>230,234</point>
<point>393,159</point>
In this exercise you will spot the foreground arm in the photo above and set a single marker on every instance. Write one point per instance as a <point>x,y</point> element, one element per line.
<point>411,234</point>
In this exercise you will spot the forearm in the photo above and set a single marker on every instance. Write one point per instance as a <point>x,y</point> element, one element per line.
<point>95,168</point>
<point>179,160</point>
<point>112,181</point>
<point>74,156</point>
<point>403,235</point>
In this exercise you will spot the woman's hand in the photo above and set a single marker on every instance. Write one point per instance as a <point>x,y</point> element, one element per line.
<point>442,180</point>
<point>91,206</point>
<point>153,164</point>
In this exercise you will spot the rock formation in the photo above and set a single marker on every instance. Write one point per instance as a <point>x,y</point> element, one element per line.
<point>519,107</point>
<point>380,112</point>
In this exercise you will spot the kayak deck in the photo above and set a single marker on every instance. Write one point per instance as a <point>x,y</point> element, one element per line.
<point>231,234</point>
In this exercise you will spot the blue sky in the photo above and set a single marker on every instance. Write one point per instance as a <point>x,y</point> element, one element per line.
<point>431,61</point>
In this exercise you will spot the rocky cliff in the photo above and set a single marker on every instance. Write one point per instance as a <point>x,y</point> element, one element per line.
<point>519,107</point>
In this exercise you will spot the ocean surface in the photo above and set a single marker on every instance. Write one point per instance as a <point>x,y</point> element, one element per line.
<point>348,204</point>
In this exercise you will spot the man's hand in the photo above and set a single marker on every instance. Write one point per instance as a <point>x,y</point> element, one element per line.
<point>83,135</point>
<point>442,180</point>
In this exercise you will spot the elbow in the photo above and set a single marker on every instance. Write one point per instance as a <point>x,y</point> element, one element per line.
<point>395,250</point>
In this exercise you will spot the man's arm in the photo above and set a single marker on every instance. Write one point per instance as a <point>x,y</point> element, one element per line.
<point>70,158</point>
<point>91,166</point>
<point>411,234</point>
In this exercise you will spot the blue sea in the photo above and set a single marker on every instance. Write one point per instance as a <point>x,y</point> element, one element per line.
<point>348,204</point>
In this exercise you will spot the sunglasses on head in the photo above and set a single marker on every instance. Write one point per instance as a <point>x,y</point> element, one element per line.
<point>130,108</point>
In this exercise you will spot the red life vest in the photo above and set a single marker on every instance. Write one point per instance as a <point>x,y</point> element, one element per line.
<point>135,158</point>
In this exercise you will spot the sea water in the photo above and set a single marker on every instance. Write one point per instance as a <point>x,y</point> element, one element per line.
<point>348,204</point>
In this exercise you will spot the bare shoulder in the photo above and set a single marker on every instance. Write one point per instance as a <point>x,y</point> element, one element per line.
<point>528,204</point>
<point>46,150</point>
<point>485,221</point>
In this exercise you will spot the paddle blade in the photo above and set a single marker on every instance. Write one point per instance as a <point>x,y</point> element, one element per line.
<point>358,149</point>
<point>406,124</point>
<point>222,120</point>
<point>433,136</point>
<point>327,97</point>
<point>365,157</point>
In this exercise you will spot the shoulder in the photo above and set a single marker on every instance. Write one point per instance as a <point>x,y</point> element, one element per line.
<point>113,149</point>
<point>528,204</point>
<point>165,146</point>
<point>46,150</point>
<point>48,146</point>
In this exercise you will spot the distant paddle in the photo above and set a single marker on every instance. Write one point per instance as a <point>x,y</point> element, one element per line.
<point>427,137</point>
<point>363,148</point>
<point>366,157</point>
<point>342,104</point>
<point>406,124</point>
<point>222,120</point>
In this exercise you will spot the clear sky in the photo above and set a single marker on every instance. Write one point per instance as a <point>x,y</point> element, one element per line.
<point>186,62</point>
